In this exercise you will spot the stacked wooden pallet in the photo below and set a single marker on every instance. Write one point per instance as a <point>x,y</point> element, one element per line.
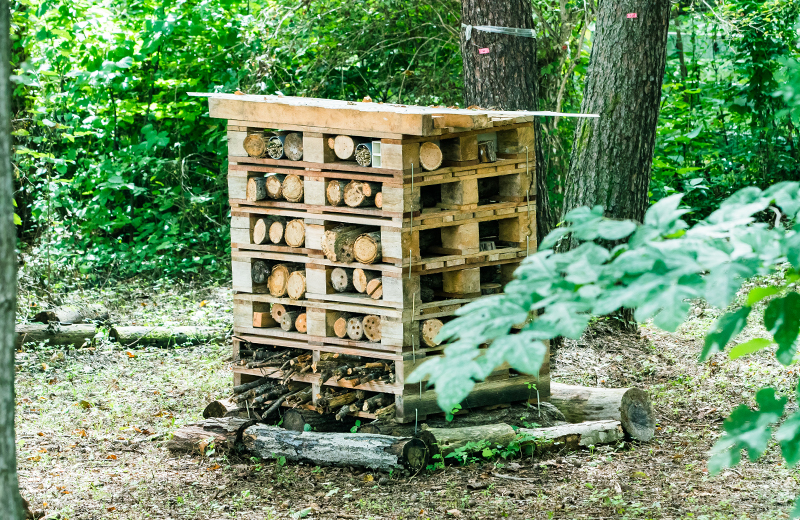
<point>357,229</point>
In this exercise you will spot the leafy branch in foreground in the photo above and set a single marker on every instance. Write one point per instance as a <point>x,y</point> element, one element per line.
<point>664,264</point>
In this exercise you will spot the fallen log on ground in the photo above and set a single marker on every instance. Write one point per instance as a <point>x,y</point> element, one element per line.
<point>446,440</point>
<point>630,406</point>
<point>223,432</point>
<point>164,336</point>
<point>381,452</point>
<point>221,408</point>
<point>67,335</point>
<point>590,433</point>
<point>71,314</point>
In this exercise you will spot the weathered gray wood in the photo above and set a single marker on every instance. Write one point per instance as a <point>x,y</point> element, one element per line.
<point>337,449</point>
<point>630,406</point>
<point>447,440</point>
<point>163,336</point>
<point>224,432</point>
<point>590,433</point>
<point>67,335</point>
<point>68,314</point>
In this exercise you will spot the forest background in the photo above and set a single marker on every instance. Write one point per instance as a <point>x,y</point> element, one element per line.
<point>119,173</point>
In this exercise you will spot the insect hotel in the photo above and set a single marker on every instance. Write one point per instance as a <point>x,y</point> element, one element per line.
<point>357,230</point>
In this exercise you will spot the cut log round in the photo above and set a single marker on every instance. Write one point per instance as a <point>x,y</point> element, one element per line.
<point>381,452</point>
<point>261,229</point>
<point>223,432</point>
<point>491,288</point>
<point>275,146</point>
<point>367,248</point>
<point>428,331</point>
<point>70,314</point>
<point>288,320</point>
<point>337,243</point>
<point>301,323</point>
<point>376,402</point>
<point>296,420</point>
<point>278,281</point>
<point>255,145</point>
<point>165,336</point>
<point>342,279</point>
<point>361,279</point>
<point>259,271</point>
<point>446,440</point>
<point>331,143</point>
<point>334,192</point>
<point>292,188</point>
<point>295,233</point>
<point>340,324</point>
<point>293,146</point>
<point>358,193</point>
<point>278,310</point>
<point>344,147</point>
<point>78,335</point>
<point>355,328</point>
<point>220,408</point>
<point>276,230</point>
<point>274,183</point>
<point>590,433</point>
<point>372,327</point>
<point>256,189</point>
<point>296,286</point>
<point>630,406</point>
<point>378,200</point>
<point>430,156</point>
<point>375,289</point>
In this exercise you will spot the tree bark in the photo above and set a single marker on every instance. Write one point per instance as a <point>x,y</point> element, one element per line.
<point>10,500</point>
<point>446,440</point>
<point>75,336</point>
<point>612,155</point>
<point>223,432</point>
<point>630,406</point>
<point>337,449</point>
<point>506,78</point>
<point>69,314</point>
<point>589,433</point>
<point>165,336</point>
<point>259,271</point>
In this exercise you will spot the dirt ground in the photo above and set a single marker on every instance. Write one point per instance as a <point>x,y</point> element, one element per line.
<point>86,421</point>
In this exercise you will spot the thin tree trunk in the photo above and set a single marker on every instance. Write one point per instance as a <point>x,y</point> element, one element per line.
<point>10,500</point>
<point>507,77</point>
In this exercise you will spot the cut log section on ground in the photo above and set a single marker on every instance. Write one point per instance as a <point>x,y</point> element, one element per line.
<point>585,434</point>
<point>69,314</point>
<point>295,233</point>
<point>447,440</point>
<point>296,286</point>
<point>166,336</point>
<point>256,189</point>
<point>274,183</point>
<point>630,406</point>
<point>361,279</point>
<point>337,244</point>
<point>293,146</point>
<point>430,156</point>
<point>342,279</point>
<point>334,192</point>
<point>359,194</point>
<point>78,335</point>
<point>367,248</point>
<point>292,188</point>
<point>223,432</point>
<point>381,452</point>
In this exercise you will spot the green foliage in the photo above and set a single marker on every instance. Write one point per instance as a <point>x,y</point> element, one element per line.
<point>354,428</point>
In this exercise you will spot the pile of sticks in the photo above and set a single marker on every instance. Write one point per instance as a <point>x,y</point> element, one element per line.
<point>344,403</point>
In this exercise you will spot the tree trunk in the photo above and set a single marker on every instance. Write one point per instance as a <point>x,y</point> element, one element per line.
<point>223,432</point>
<point>75,336</point>
<point>10,500</point>
<point>506,78</point>
<point>69,314</point>
<point>367,248</point>
<point>630,406</point>
<point>612,155</point>
<point>342,279</point>
<point>337,449</point>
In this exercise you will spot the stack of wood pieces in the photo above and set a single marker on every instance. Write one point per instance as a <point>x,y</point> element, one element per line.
<point>360,229</point>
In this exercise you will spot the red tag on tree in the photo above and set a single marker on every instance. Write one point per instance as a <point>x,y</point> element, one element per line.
<point>632,15</point>
<point>485,50</point>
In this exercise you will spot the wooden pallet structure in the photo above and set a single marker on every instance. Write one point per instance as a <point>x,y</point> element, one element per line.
<point>357,229</point>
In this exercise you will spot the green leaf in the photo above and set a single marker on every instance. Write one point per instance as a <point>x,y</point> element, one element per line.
<point>725,329</point>
<point>788,435</point>
<point>782,320</point>
<point>759,293</point>
<point>17,220</point>
<point>748,347</point>
<point>747,429</point>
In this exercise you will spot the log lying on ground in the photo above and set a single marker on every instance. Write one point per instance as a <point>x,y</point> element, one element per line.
<point>589,433</point>
<point>342,279</point>
<point>344,449</point>
<point>70,314</point>
<point>256,189</point>
<point>220,408</point>
<point>274,184</point>
<point>293,146</point>
<point>447,440</point>
<point>334,192</point>
<point>292,188</point>
<point>361,279</point>
<point>166,336</point>
<point>278,281</point>
<point>630,406</point>
<point>77,336</point>
<point>255,145</point>
<point>223,432</point>
<point>358,193</point>
<point>367,248</point>
<point>428,331</point>
<point>296,286</point>
<point>337,244</point>
<point>430,156</point>
<point>372,327</point>
<point>295,233</point>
